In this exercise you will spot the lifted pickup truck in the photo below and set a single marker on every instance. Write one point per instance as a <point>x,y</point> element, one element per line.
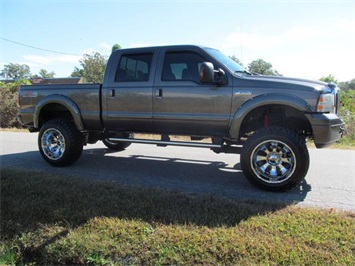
<point>192,91</point>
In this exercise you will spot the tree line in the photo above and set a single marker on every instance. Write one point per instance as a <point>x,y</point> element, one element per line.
<point>91,69</point>
<point>92,66</point>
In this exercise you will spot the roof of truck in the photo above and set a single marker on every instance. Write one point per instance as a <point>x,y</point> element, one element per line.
<point>177,46</point>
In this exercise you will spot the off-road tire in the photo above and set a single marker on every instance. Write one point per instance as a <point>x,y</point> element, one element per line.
<point>60,143</point>
<point>118,146</point>
<point>275,159</point>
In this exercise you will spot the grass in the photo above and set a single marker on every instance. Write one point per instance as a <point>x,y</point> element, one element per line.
<point>345,143</point>
<point>61,220</point>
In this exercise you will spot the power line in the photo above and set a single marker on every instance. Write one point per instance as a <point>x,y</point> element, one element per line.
<point>37,48</point>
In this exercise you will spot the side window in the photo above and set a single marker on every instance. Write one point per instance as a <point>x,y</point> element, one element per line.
<point>133,68</point>
<point>182,66</point>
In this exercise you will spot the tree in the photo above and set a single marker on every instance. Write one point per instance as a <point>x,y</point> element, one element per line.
<point>45,74</point>
<point>93,67</point>
<point>234,58</point>
<point>329,78</point>
<point>116,47</point>
<point>16,71</point>
<point>262,67</point>
<point>77,72</point>
<point>348,85</point>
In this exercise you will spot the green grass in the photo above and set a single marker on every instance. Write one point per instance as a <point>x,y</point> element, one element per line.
<point>345,143</point>
<point>61,220</point>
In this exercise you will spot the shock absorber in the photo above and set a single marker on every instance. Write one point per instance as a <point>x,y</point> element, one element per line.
<point>266,119</point>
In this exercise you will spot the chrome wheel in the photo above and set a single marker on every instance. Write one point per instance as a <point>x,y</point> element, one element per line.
<point>273,161</point>
<point>53,144</point>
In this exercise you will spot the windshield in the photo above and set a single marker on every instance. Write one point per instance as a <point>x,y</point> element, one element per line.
<point>229,63</point>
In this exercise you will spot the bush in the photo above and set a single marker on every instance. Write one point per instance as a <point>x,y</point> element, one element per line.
<point>8,103</point>
<point>347,113</point>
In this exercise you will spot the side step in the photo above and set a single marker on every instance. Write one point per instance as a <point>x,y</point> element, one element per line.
<point>171,143</point>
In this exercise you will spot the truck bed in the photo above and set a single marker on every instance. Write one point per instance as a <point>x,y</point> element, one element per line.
<point>86,97</point>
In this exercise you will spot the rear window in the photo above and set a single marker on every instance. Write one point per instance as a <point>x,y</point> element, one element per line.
<point>133,68</point>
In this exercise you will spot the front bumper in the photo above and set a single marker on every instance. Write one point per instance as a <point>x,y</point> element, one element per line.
<point>327,128</point>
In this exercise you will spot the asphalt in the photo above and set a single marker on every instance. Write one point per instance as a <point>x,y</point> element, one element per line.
<point>330,182</point>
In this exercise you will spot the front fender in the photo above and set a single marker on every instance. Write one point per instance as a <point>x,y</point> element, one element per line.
<point>263,100</point>
<point>62,100</point>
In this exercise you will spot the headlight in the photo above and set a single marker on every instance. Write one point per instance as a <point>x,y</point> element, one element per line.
<point>326,103</point>
<point>328,99</point>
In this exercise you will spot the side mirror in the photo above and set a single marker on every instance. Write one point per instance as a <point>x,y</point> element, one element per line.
<point>209,75</point>
<point>220,77</point>
<point>206,72</point>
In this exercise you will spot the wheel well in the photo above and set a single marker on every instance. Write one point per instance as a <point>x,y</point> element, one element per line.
<point>276,115</point>
<point>54,111</point>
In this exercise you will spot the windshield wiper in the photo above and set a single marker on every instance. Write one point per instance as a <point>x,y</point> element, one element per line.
<point>243,72</point>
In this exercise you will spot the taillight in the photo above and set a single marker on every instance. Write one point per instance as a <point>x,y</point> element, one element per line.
<point>18,99</point>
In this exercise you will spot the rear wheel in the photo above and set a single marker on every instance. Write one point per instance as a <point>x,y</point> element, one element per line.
<point>60,143</point>
<point>117,145</point>
<point>275,159</point>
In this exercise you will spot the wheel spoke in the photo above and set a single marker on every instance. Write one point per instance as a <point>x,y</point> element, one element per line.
<point>287,160</point>
<point>264,167</point>
<point>282,169</point>
<point>260,158</point>
<point>264,149</point>
<point>274,146</point>
<point>273,171</point>
<point>53,144</point>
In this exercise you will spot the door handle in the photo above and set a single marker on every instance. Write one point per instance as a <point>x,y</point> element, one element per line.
<point>112,93</point>
<point>159,93</point>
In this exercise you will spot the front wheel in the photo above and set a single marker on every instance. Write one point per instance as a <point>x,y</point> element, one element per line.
<point>275,159</point>
<point>60,143</point>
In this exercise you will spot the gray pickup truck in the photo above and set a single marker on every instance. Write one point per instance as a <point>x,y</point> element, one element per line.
<point>192,91</point>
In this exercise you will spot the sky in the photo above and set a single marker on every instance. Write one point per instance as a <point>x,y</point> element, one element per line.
<point>306,39</point>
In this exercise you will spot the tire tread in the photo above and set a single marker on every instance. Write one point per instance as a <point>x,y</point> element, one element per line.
<point>288,134</point>
<point>73,138</point>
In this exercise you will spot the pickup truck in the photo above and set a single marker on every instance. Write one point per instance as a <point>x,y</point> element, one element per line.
<point>196,92</point>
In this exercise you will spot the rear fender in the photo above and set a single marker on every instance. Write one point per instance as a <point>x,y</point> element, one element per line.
<point>64,101</point>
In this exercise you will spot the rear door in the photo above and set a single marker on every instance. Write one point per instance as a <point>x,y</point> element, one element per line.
<point>181,103</point>
<point>127,99</point>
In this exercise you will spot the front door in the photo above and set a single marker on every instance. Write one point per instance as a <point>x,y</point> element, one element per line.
<point>182,104</point>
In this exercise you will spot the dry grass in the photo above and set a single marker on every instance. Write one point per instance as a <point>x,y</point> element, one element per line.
<point>13,129</point>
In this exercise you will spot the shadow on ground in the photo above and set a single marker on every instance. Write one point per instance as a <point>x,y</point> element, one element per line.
<point>152,189</point>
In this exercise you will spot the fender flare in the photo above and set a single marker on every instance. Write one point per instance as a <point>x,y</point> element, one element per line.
<point>263,100</point>
<point>62,100</point>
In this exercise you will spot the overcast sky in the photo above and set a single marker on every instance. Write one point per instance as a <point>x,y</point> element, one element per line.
<point>307,39</point>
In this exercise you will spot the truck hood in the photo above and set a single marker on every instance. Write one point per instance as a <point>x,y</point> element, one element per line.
<point>285,82</point>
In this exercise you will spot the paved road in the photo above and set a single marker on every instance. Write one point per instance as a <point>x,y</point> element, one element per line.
<point>330,182</point>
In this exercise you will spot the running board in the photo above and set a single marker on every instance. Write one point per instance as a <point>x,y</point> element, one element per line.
<point>170,143</point>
